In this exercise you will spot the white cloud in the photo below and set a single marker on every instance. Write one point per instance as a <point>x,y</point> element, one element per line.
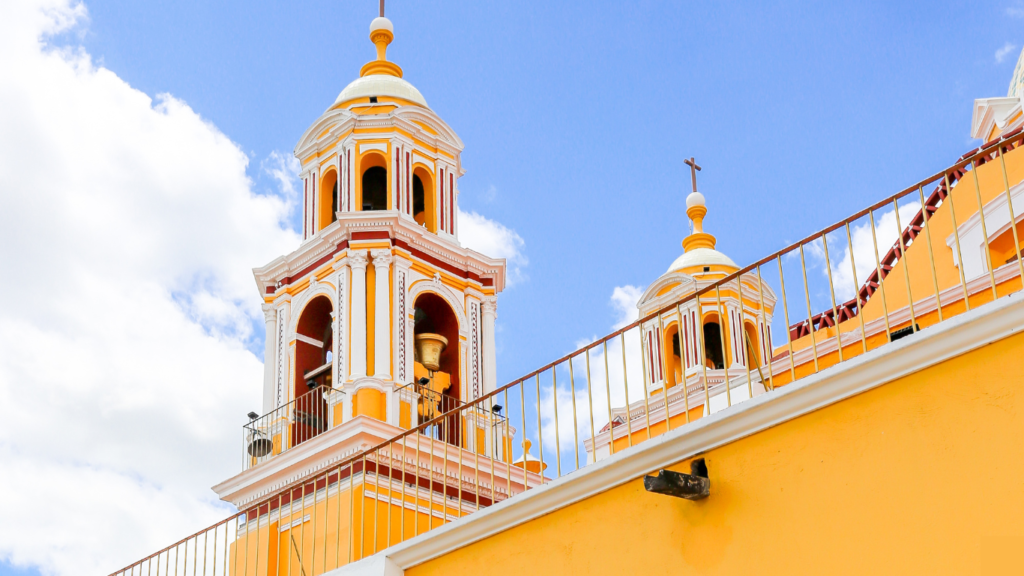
<point>490,194</point>
<point>623,300</point>
<point>1005,51</point>
<point>863,249</point>
<point>129,227</point>
<point>493,239</point>
<point>1016,11</point>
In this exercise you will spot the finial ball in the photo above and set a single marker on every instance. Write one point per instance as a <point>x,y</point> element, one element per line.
<point>381,23</point>
<point>694,199</point>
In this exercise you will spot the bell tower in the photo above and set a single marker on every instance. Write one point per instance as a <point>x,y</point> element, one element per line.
<point>380,276</point>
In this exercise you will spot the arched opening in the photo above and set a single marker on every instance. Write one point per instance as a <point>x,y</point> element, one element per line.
<point>713,343</point>
<point>328,200</point>
<point>443,389</point>
<point>673,351</point>
<point>312,369</point>
<point>423,209</point>
<point>751,345</point>
<point>1001,248</point>
<point>373,186</point>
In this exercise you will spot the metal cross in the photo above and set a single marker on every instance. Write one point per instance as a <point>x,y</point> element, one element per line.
<point>381,8</point>
<point>691,163</point>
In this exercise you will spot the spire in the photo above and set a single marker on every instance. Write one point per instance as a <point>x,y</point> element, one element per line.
<point>696,210</point>
<point>382,32</point>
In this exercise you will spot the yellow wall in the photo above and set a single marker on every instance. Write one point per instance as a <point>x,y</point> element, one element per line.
<point>920,476</point>
<point>324,539</point>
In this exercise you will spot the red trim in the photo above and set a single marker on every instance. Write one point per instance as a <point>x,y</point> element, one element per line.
<point>305,206</point>
<point>384,235</point>
<point>398,180</point>
<point>451,203</point>
<point>442,199</point>
<point>686,337</point>
<point>696,351</point>
<point>327,258</point>
<point>375,235</point>
<point>650,356</point>
<point>408,186</point>
<point>442,264</point>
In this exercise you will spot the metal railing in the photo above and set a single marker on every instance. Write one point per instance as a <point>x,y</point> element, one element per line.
<point>623,389</point>
<point>287,426</point>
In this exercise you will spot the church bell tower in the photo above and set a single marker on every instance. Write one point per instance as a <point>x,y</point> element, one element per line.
<point>380,308</point>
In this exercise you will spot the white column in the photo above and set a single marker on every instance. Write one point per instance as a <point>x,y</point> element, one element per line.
<point>269,356</point>
<point>489,312</point>
<point>357,261</point>
<point>340,330</point>
<point>382,315</point>
<point>401,339</point>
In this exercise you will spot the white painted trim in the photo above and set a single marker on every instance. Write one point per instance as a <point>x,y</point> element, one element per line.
<point>308,340</point>
<point>939,343</point>
<point>367,146</point>
<point>417,158</point>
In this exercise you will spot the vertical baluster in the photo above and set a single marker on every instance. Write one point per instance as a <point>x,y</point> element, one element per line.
<point>1013,219</point>
<point>575,420</point>
<point>881,281</point>
<point>722,322</point>
<point>984,229</point>
<point>832,295</point>
<point>956,238</point>
<point>906,268</point>
<point>810,313</point>
<point>785,311</point>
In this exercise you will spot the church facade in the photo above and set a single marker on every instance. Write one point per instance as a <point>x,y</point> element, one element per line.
<point>875,431</point>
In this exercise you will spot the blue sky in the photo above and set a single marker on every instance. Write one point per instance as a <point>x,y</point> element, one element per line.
<point>577,115</point>
<point>576,119</point>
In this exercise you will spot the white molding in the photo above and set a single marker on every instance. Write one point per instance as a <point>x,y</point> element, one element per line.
<point>429,162</point>
<point>939,343</point>
<point>367,146</point>
<point>308,340</point>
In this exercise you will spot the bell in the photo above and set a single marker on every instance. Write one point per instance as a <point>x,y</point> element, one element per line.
<point>429,348</point>
<point>260,447</point>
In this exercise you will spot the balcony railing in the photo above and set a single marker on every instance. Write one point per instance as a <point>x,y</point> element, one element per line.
<point>287,426</point>
<point>610,394</point>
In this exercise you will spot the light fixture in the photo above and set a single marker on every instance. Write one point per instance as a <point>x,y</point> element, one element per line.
<point>496,409</point>
<point>692,486</point>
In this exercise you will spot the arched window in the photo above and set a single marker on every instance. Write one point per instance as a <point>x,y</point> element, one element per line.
<point>713,344</point>
<point>1001,248</point>
<point>672,352</point>
<point>375,189</point>
<point>418,206</point>
<point>751,347</point>
<point>423,208</point>
<point>311,351</point>
<point>328,200</point>
<point>433,315</point>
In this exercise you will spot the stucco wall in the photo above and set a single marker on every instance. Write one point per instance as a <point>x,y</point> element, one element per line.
<point>923,475</point>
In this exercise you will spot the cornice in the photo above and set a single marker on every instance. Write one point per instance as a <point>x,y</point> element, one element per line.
<point>339,234</point>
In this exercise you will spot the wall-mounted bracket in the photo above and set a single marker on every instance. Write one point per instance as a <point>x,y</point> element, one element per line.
<point>693,486</point>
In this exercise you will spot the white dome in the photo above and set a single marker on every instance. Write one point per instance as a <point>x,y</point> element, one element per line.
<point>381,85</point>
<point>695,199</point>
<point>381,23</point>
<point>701,257</point>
